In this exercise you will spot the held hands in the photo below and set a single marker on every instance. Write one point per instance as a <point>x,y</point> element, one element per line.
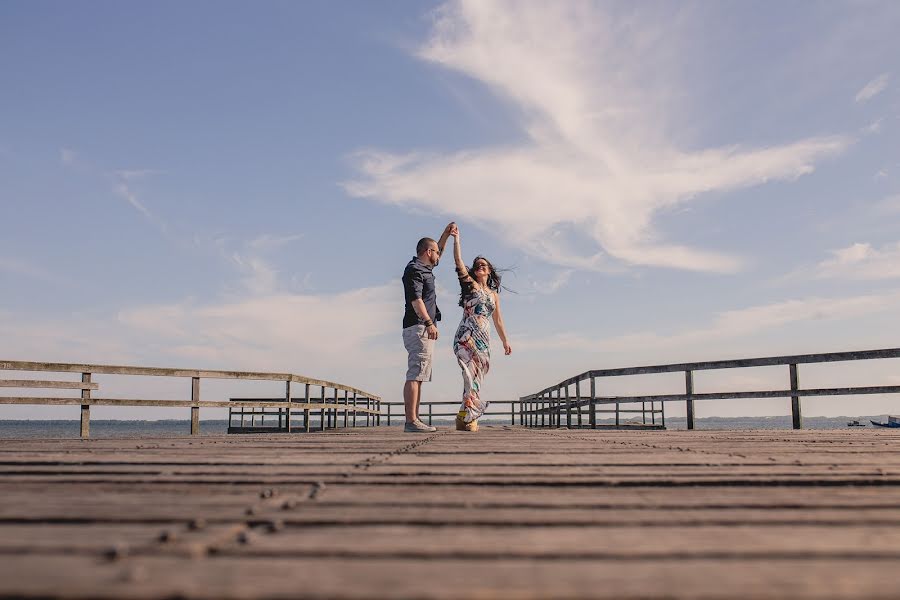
<point>453,230</point>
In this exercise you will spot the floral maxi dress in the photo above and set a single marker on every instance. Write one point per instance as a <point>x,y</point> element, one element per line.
<point>472,346</point>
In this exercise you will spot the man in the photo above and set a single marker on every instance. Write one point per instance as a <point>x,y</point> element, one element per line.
<point>420,325</point>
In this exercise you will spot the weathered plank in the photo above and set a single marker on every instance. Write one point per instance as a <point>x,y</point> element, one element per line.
<point>57,576</point>
<point>503,513</point>
<point>58,385</point>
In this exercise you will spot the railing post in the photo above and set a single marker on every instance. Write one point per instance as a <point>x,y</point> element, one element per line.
<point>388,415</point>
<point>557,400</point>
<point>512,412</point>
<point>354,409</point>
<point>553,417</point>
<point>592,418</point>
<point>617,412</point>
<point>195,409</point>
<point>334,411</point>
<point>306,424</point>
<point>85,408</point>
<point>796,416</point>
<point>568,410</point>
<point>346,405</point>
<point>322,419</point>
<point>689,401</point>
<point>287,398</point>
<point>578,400</point>
<point>429,413</point>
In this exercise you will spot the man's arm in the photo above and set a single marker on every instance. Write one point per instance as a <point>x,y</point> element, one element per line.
<point>444,237</point>
<point>430,330</point>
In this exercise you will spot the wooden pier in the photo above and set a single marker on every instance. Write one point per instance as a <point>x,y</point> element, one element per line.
<point>507,512</point>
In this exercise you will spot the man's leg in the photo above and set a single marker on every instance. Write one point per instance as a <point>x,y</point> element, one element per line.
<point>411,391</point>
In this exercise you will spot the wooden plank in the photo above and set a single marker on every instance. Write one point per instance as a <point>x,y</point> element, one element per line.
<point>95,538</point>
<point>38,400</point>
<point>731,364</point>
<point>498,471</point>
<point>598,543</point>
<point>58,385</point>
<point>48,497</point>
<point>578,513</point>
<point>59,576</point>
<point>11,365</point>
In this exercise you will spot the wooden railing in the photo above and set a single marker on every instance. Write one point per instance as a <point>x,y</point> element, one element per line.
<point>548,406</point>
<point>371,403</point>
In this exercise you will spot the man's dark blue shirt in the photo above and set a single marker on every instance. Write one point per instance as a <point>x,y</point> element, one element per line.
<point>418,282</point>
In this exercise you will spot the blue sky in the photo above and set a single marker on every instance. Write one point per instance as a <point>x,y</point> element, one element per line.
<point>238,186</point>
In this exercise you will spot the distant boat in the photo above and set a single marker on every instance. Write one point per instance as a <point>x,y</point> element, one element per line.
<point>892,421</point>
<point>855,423</point>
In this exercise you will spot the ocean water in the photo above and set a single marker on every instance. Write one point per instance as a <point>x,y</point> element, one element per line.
<point>47,429</point>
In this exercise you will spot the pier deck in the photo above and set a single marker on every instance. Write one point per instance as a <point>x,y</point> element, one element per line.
<point>506,512</point>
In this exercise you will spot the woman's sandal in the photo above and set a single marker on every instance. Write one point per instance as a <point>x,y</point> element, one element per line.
<point>461,424</point>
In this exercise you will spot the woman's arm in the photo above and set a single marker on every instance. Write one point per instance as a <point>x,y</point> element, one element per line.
<point>461,269</point>
<point>498,323</point>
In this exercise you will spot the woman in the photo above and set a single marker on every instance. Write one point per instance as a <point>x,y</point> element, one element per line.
<point>480,300</point>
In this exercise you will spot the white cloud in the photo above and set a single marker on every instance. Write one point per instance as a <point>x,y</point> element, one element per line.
<point>552,284</point>
<point>130,174</point>
<point>874,127</point>
<point>268,241</point>
<point>121,182</point>
<point>260,278</point>
<point>306,334</point>
<point>740,323</point>
<point>873,88</point>
<point>888,206</point>
<point>123,190</point>
<point>67,157</point>
<point>861,261</point>
<point>333,336</point>
<point>597,170</point>
<point>338,337</point>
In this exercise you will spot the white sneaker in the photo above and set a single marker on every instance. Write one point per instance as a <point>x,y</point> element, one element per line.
<point>418,426</point>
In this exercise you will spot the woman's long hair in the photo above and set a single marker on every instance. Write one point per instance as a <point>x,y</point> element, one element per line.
<point>493,281</point>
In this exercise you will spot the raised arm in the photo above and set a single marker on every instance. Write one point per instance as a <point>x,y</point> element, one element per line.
<point>457,255</point>
<point>444,237</point>
<point>498,323</point>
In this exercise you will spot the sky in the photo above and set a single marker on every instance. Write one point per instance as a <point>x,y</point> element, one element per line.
<point>235,185</point>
